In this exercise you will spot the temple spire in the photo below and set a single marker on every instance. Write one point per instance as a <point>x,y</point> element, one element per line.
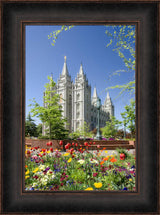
<point>108,97</point>
<point>65,70</point>
<point>81,70</point>
<point>95,93</point>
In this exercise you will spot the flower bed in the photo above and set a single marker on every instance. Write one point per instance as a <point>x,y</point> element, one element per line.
<point>49,170</point>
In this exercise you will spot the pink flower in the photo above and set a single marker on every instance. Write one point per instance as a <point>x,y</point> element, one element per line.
<point>95,174</point>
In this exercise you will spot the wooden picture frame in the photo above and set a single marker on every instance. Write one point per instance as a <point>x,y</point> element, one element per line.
<point>14,16</point>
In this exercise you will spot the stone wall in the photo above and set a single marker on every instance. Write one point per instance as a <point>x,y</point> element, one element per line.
<point>110,144</point>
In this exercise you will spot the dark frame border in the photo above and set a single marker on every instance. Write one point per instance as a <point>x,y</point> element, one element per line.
<point>146,201</point>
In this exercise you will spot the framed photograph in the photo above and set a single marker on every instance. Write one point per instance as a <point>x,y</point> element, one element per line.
<point>26,63</point>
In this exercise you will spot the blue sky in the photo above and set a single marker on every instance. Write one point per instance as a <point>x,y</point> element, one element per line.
<point>81,44</point>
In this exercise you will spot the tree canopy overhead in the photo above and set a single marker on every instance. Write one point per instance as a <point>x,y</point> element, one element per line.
<point>122,39</point>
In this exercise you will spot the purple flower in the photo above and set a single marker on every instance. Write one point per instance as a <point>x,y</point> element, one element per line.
<point>125,188</point>
<point>47,169</point>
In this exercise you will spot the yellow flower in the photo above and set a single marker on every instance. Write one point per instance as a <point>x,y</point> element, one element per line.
<point>106,152</point>
<point>27,172</point>
<point>130,179</point>
<point>27,176</point>
<point>111,155</point>
<point>66,154</point>
<point>69,160</point>
<point>98,185</point>
<point>89,188</point>
<point>34,171</point>
<point>48,152</point>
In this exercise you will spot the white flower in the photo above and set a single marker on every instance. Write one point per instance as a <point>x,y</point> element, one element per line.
<point>34,185</point>
<point>81,161</point>
<point>93,161</point>
<point>42,167</point>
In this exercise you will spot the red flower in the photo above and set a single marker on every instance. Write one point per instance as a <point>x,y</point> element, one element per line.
<point>95,174</point>
<point>94,143</point>
<point>61,142</point>
<point>40,154</point>
<point>35,176</point>
<point>76,144</point>
<point>61,184</point>
<point>51,149</point>
<point>86,144</point>
<point>50,143</point>
<point>98,146</point>
<point>73,144</point>
<point>122,156</point>
<point>66,146</point>
<point>28,152</point>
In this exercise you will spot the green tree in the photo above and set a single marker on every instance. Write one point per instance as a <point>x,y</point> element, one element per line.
<point>51,112</point>
<point>30,127</point>
<point>122,39</point>
<point>83,132</point>
<point>39,129</point>
<point>111,128</point>
<point>129,117</point>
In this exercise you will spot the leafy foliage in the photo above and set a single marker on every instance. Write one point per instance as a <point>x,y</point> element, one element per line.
<point>51,113</point>
<point>111,127</point>
<point>81,132</point>
<point>129,117</point>
<point>54,35</point>
<point>30,127</point>
<point>122,38</point>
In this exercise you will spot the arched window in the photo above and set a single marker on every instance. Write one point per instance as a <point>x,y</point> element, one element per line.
<point>78,96</point>
<point>78,115</point>
<point>78,106</point>
<point>77,125</point>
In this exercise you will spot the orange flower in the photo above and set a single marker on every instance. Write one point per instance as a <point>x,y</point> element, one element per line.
<point>106,159</point>
<point>101,162</point>
<point>26,166</point>
<point>113,160</point>
<point>104,148</point>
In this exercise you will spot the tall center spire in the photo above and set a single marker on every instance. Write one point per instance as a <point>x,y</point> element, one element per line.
<point>81,70</point>
<point>65,70</point>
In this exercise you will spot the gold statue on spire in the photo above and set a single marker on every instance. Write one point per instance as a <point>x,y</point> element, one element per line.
<point>65,58</point>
